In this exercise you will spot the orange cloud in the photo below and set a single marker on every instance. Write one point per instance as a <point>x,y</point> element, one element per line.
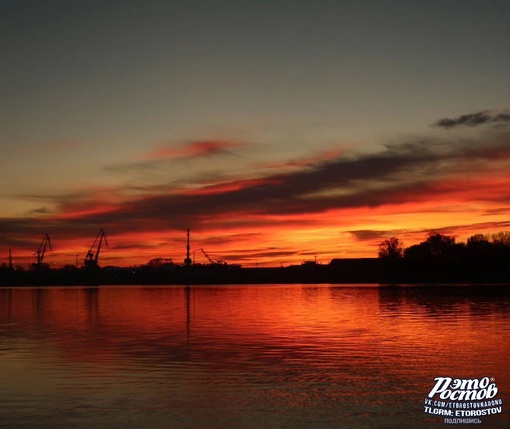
<point>341,206</point>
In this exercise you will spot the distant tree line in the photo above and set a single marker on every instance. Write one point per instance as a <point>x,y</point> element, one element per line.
<point>440,257</point>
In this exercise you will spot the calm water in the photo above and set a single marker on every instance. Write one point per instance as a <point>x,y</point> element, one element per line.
<point>225,357</point>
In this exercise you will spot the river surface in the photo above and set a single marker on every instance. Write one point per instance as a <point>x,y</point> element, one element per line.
<point>242,357</point>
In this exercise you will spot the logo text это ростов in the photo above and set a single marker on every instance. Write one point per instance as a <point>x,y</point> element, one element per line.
<point>463,389</point>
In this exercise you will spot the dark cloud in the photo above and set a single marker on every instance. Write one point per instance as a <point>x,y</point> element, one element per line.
<point>400,173</point>
<point>498,211</point>
<point>368,234</point>
<point>452,230</point>
<point>475,119</point>
<point>267,254</point>
<point>474,228</point>
<point>222,239</point>
<point>40,211</point>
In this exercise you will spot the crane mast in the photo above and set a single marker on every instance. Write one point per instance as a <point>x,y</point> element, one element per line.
<point>187,261</point>
<point>91,259</point>
<point>41,251</point>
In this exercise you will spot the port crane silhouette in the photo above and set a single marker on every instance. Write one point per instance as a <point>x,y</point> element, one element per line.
<point>41,251</point>
<point>90,260</point>
<point>211,260</point>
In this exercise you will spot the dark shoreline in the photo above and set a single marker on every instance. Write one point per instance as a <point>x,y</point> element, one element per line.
<point>339,271</point>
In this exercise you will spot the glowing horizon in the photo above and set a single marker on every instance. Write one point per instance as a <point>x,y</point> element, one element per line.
<point>338,207</point>
<point>275,135</point>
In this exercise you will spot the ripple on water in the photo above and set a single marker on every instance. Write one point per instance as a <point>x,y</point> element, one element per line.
<point>243,357</point>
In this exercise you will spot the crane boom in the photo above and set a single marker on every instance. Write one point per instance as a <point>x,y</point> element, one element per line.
<point>211,260</point>
<point>207,256</point>
<point>41,251</point>
<point>92,257</point>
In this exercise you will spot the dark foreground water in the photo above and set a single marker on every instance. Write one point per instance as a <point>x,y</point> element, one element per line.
<point>294,356</point>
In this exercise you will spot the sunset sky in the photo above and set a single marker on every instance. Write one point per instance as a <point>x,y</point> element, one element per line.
<point>277,131</point>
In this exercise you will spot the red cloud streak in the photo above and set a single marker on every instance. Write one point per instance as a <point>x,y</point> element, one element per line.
<point>191,150</point>
<point>339,208</point>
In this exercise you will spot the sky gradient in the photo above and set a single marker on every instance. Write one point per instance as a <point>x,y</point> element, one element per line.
<point>276,131</point>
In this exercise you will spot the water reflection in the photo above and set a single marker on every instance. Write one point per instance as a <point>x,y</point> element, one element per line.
<point>251,356</point>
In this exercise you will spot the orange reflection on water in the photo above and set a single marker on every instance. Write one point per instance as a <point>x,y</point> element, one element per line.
<point>365,352</point>
<point>405,319</point>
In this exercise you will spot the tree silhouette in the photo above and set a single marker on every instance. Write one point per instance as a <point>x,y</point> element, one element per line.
<point>391,249</point>
<point>478,246</point>
<point>437,246</point>
<point>502,238</point>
